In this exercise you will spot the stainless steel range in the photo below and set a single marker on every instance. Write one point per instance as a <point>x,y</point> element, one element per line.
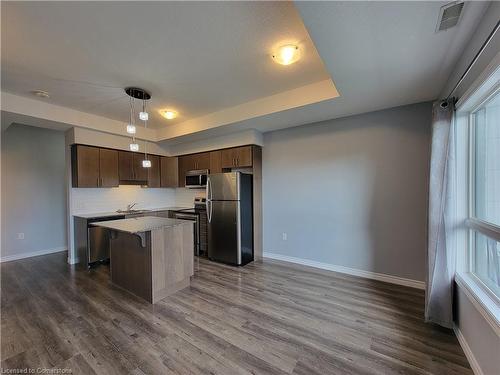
<point>198,214</point>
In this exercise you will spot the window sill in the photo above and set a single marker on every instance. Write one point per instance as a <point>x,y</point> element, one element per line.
<point>485,304</point>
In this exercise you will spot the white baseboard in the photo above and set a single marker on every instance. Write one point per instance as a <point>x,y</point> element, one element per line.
<point>9,258</point>
<point>349,271</point>
<point>468,352</point>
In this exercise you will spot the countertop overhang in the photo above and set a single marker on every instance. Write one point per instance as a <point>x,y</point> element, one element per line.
<point>97,215</point>
<point>140,224</point>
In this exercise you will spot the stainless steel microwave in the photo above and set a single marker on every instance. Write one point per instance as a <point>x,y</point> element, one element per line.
<point>196,179</point>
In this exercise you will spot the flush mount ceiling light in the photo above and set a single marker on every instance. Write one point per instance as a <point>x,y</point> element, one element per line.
<point>136,93</point>
<point>286,54</point>
<point>41,94</point>
<point>169,114</point>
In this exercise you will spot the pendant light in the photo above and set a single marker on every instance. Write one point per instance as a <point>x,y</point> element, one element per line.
<point>146,163</point>
<point>140,94</point>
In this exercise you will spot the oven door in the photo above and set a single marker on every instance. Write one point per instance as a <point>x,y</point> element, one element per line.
<point>194,219</point>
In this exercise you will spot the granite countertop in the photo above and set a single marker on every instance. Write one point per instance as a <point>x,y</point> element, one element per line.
<point>141,224</point>
<point>144,211</point>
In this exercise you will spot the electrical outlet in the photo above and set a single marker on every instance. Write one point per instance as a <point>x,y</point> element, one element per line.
<point>285,236</point>
<point>20,236</point>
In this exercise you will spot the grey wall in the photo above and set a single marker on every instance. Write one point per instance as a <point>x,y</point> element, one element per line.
<point>351,191</point>
<point>33,190</point>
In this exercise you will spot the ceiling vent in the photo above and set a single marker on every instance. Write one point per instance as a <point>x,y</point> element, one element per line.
<point>449,15</point>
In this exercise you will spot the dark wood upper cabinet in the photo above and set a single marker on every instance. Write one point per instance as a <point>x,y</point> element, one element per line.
<point>131,170</point>
<point>202,160</point>
<point>140,173</point>
<point>169,171</point>
<point>102,167</point>
<point>244,156</point>
<point>154,172</point>
<point>237,157</point>
<point>125,166</point>
<point>94,167</point>
<point>108,168</point>
<point>186,163</point>
<point>85,166</point>
<point>215,161</point>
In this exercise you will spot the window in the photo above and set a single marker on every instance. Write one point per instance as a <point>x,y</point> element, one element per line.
<point>484,257</point>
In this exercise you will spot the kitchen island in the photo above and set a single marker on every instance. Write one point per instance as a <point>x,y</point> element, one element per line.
<point>150,257</point>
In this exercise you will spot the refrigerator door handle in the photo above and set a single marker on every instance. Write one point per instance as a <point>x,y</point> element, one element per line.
<point>208,190</point>
<point>211,191</point>
<point>209,211</point>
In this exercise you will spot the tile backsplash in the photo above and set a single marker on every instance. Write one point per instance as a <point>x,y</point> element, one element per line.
<point>112,199</point>
<point>185,197</point>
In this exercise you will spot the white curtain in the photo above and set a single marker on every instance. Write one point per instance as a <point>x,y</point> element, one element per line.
<point>441,252</point>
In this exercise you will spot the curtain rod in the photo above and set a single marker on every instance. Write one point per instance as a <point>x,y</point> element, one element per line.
<point>486,42</point>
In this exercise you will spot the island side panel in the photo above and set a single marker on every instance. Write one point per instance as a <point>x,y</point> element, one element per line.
<point>172,259</point>
<point>131,263</point>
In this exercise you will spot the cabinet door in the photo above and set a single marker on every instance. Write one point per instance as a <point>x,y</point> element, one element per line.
<point>184,166</point>
<point>169,171</point>
<point>202,160</point>
<point>126,165</point>
<point>243,156</point>
<point>108,168</point>
<point>154,172</point>
<point>228,158</point>
<point>215,162</point>
<point>85,166</point>
<point>140,173</point>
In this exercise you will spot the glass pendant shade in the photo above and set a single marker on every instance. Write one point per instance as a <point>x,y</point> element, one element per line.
<point>134,147</point>
<point>146,163</point>
<point>131,129</point>
<point>143,116</point>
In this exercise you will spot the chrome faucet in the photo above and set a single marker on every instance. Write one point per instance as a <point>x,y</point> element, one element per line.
<point>130,206</point>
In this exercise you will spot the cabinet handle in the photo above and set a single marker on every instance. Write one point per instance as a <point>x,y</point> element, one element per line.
<point>97,181</point>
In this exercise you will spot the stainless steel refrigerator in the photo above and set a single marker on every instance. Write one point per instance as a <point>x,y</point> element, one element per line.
<point>230,218</point>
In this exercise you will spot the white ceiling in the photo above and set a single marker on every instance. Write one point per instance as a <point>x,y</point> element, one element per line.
<point>196,57</point>
<point>214,57</point>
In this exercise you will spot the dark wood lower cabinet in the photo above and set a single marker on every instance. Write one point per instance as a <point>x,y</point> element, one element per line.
<point>131,263</point>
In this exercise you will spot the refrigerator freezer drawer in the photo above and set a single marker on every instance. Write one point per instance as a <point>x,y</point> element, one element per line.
<point>223,233</point>
<point>230,232</point>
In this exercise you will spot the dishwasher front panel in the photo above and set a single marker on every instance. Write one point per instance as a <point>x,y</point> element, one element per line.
<point>98,244</point>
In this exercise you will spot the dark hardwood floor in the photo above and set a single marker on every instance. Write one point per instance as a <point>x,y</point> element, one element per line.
<point>266,318</point>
